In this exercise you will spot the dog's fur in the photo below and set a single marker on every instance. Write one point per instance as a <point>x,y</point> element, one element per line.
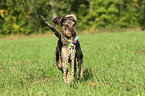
<point>68,29</point>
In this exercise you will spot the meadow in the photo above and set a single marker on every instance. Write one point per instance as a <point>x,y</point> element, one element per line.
<point>114,65</point>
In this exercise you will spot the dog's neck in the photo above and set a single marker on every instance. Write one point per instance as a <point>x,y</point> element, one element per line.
<point>64,40</point>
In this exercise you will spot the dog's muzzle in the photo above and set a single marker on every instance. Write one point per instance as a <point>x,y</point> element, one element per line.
<point>73,33</point>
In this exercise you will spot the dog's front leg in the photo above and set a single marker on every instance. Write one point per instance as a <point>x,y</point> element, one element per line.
<point>64,54</point>
<point>80,66</point>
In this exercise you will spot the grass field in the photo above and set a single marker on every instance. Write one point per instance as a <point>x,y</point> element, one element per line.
<point>114,64</point>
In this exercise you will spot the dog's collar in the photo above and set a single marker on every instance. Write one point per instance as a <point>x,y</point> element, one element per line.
<point>67,41</point>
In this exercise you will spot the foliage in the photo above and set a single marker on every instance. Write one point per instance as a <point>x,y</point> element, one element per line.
<point>114,64</point>
<point>23,16</point>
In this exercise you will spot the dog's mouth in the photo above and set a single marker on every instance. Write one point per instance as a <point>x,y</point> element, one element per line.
<point>73,34</point>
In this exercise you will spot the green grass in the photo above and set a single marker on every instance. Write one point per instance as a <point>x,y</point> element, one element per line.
<point>114,64</point>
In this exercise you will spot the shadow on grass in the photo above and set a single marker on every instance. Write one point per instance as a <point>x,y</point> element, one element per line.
<point>43,75</point>
<point>87,74</point>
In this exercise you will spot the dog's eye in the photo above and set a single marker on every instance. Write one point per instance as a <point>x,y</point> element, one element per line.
<point>70,19</point>
<point>66,26</point>
<point>74,25</point>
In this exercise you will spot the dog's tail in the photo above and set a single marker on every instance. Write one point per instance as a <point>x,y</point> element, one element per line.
<point>51,27</point>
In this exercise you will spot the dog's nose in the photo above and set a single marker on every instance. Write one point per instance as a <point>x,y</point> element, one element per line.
<point>73,33</point>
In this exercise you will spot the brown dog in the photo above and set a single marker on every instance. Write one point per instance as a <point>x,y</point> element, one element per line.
<point>68,29</point>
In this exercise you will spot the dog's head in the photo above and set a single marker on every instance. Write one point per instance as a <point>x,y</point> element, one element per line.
<point>68,24</point>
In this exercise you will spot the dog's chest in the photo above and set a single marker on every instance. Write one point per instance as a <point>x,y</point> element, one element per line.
<point>64,52</point>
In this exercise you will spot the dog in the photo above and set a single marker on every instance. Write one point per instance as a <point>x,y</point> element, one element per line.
<point>68,30</point>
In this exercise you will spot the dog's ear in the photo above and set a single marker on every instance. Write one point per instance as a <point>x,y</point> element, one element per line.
<point>73,16</point>
<point>57,20</point>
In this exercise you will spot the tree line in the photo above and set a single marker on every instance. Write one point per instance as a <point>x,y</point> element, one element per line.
<point>23,16</point>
